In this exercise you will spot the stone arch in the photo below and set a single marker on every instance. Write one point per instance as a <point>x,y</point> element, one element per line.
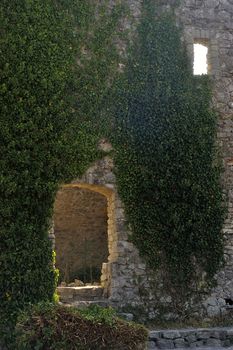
<point>100,178</point>
<point>111,231</point>
<point>80,225</point>
<point>120,274</point>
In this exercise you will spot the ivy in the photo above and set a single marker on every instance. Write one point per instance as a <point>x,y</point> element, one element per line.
<point>166,158</point>
<point>56,58</point>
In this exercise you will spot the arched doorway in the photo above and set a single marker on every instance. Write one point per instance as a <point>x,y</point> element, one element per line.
<point>81,231</point>
<point>117,280</point>
<point>85,240</point>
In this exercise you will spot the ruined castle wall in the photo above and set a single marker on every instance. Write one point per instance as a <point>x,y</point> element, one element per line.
<point>127,281</point>
<point>210,21</point>
<point>213,20</point>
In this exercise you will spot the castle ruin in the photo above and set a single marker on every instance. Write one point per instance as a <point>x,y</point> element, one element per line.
<point>124,276</point>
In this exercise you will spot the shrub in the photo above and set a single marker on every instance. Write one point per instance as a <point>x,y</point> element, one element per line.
<point>48,326</point>
<point>49,90</point>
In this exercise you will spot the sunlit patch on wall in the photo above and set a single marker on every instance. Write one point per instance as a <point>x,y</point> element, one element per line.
<point>200,64</point>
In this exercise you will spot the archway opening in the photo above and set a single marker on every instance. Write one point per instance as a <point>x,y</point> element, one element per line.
<point>81,235</point>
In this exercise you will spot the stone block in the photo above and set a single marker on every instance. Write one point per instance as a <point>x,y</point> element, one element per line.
<point>65,293</point>
<point>196,344</point>
<point>212,301</point>
<point>155,335</point>
<point>213,311</point>
<point>165,344</point>
<point>150,345</point>
<point>180,343</point>
<point>229,332</point>
<point>171,335</point>
<point>203,334</point>
<point>191,338</point>
<point>213,343</point>
<point>218,334</point>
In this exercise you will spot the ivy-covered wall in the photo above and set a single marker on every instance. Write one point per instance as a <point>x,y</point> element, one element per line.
<point>199,23</point>
<point>212,21</point>
<point>36,143</point>
<point>56,60</point>
<point>166,158</point>
<point>133,283</point>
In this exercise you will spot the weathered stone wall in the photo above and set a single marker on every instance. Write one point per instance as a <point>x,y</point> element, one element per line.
<point>125,278</point>
<point>213,20</point>
<point>191,338</point>
<point>80,227</point>
<point>210,21</point>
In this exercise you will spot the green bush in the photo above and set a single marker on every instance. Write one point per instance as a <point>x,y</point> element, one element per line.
<point>49,326</point>
<point>35,74</point>
<point>55,63</point>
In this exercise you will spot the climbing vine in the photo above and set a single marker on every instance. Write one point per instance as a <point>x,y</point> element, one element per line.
<point>166,157</point>
<point>56,58</point>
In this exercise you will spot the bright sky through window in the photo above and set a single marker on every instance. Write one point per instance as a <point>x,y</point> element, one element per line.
<point>200,59</point>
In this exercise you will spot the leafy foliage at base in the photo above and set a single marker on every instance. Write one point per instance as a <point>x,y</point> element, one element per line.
<point>48,326</point>
<point>166,157</point>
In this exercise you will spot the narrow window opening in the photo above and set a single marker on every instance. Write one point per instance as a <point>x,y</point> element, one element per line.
<point>200,65</point>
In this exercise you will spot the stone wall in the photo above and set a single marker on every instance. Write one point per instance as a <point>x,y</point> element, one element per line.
<point>80,227</point>
<point>213,20</point>
<point>191,338</point>
<point>210,21</point>
<point>128,283</point>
